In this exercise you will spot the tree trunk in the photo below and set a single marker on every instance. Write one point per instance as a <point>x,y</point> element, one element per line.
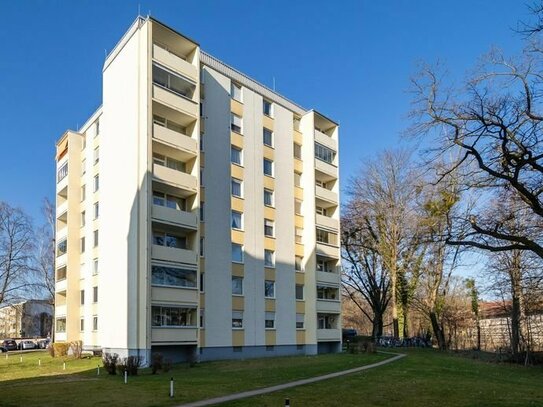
<point>394,301</point>
<point>377,328</point>
<point>438,331</point>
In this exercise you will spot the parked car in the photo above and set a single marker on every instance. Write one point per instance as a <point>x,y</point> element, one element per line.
<point>2,349</point>
<point>24,345</point>
<point>9,344</point>
<point>348,334</point>
<point>43,343</point>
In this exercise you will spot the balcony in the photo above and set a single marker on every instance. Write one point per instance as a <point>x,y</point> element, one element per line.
<point>175,139</point>
<point>170,336</point>
<point>326,195</point>
<point>328,306</point>
<point>326,250</point>
<point>325,140</point>
<point>60,310</point>
<point>176,178</point>
<point>328,335</point>
<point>60,286</point>
<point>62,209</point>
<point>173,254</point>
<point>174,216</point>
<point>326,277</point>
<point>175,62</point>
<point>327,222</point>
<point>167,295</point>
<point>328,171</point>
<point>175,101</point>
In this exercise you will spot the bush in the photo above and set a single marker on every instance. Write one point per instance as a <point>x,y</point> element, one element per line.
<point>51,350</point>
<point>77,349</point>
<point>60,349</point>
<point>131,364</point>
<point>166,365</point>
<point>156,362</point>
<point>109,361</point>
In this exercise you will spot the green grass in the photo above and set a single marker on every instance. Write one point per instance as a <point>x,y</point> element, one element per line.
<point>423,378</point>
<point>48,385</point>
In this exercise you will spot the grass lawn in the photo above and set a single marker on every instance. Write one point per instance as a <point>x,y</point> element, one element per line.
<point>28,384</point>
<point>423,378</point>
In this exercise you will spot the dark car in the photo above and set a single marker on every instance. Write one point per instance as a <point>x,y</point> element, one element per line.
<point>2,349</point>
<point>9,344</point>
<point>348,334</point>
<point>44,343</point>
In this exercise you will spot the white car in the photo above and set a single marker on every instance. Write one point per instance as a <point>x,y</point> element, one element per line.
<point>23,345</point>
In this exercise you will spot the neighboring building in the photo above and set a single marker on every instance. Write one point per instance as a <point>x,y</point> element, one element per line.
<point>27,319</point>
<point>197,212</point>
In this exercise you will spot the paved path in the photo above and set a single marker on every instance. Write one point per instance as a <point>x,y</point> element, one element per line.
<point>265,390</point>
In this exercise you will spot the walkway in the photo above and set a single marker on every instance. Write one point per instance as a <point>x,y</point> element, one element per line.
<point>265,390</point>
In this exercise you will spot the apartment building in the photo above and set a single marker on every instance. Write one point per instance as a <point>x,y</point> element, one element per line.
<point>197,212</point>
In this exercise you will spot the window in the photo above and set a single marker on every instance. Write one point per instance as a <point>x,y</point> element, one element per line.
<point>171,125</point>
<point>237,253</point>
<point>269,289</point>
<point>169,240</point>
<point>269,319</point>
<point>297,179</point>
<point>173,202</point>
<point>173,316</point>
<point>62,172</point>
<point>237,319</point>
<point>267,108</point>
<point>297,151</point>
<point>268,197</point>
<point>96,155</point>
<point>96,183</point>
<point>82,324</point>
<point>298,235</point>
<point>82,297</point>
<point>267,137</point>
<point>83,194</point>
<point>61,325</point>
<point>320,210</point>
<point>83,167</point>
<point>297,207</point>
<point>82,245</point>
<point>202,211</point>
<point>96,208</point>
<point>325,321</point>
<point>298,260</point>
<point>169,162</point>
<point>323,236</point>
<point>97,128</point>
<point>300,319</point>
<point>237,285</point>
<point>201,142</point>
<point>237,220</point>
<point>202,313</point>
<point>95,323</point>
<point>235,91</point>
<point>236,186</point>
<point>268,227</point>
<point>202,282</point>
<point>202,177</point>
<point>62,247</point>
<point>236,123</point>
<point>327,293</point>
<point>82,218</point>
<point>173,82</point>
<point>94,294</point>
<point>95,238</point>
<point>235,155</point>
<point>173,276</point>
<point>324,153</point>
<point>299,292</point>
<point>202,250</point>
<point>269,258</point>
<point>268,167</point>
<point>95,267</point>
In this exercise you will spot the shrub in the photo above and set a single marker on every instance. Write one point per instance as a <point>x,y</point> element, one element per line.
<point>131,364</point>
<point>166,365</point>
<point>60,349</point>
<point>156,362</point>
<point>109,361</point>
<point>51,350</point>
<point>77,349</point>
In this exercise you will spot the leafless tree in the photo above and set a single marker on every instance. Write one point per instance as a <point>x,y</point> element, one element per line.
<point>44,254</point>
<point>16,248</point>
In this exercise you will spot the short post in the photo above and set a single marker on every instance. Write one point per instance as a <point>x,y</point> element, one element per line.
<point>7,355</point>
<point>98,370</point>
<point>125,376</point>
<point>171,387</point>
<point>39,362</point>
<point>63,365</point>
<point>21,359</point>
<point>287,402</point>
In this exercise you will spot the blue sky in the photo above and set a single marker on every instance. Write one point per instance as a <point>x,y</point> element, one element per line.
<point>351,60</point>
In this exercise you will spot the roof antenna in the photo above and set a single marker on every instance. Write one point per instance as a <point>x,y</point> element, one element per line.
<point>139,9</point>
<point>274,83</point>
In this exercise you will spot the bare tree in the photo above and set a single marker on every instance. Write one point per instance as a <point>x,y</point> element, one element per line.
<point>16,247</point>
<point>44,255</point>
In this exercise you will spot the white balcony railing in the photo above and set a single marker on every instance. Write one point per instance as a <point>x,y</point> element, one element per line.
<point>164,335</point>
<point>328,169</point>
<point>326,194</point>
<point>174,254</point>
<point>175,101</point>
<point>325,140</point>
<point>171,176</point>
<point>170,215</point>
<point>175,62</point>
<point>328,335</point>
<point>330,278</point>
<point>327,222</point>
<point>330,306</point>
<point>327,250</point>
<point>176,139</point>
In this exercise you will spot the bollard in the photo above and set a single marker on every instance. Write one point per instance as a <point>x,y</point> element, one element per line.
<point>125,376</point>
<point>98,371</point>
<point>21,359</point>
<point>63,365</point>
<point>171,387</point>
<point>287,402</point>
<point>39,362</point>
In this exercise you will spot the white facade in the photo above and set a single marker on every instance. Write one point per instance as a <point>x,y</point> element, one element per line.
<point>176,129</point>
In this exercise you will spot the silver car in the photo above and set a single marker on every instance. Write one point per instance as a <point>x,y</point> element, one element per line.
<point>24,345</point>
